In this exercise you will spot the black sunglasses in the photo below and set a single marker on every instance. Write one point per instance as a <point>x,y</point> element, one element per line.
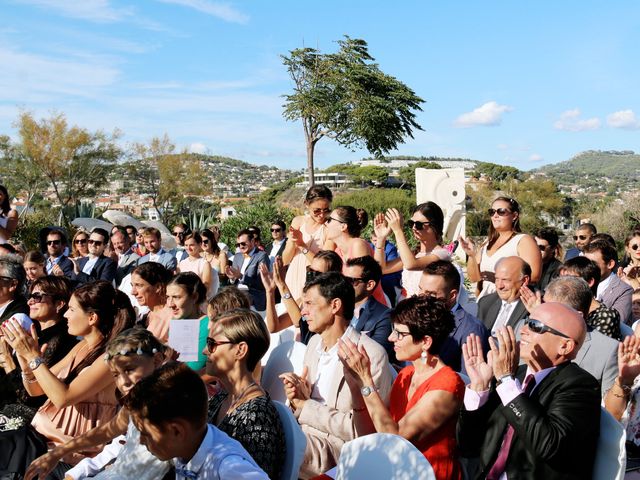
<point>355,281</point>
<point>178,234</point>
<point>543,247</point>
<point>53,242</point>
<point>37,296</point>
<point>581,237</point>
<point>213,344</point>
<point>241,244</point>
<point>80,241</point>
<point>635,246</point>
<point>502,212</point>
<point>95,242</point>
<point>331,219</point>
<point>275,230</point>
<point>418,225</point>
<point>311,274</point>
<point>318,211</point>
<point>537,326</point>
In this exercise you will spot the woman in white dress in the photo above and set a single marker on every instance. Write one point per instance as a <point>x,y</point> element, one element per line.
<point>214,254</point>
<point>8,216</point>
<point>197,264</point>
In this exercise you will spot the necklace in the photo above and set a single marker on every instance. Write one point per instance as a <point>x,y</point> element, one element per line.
<point>236,400</point>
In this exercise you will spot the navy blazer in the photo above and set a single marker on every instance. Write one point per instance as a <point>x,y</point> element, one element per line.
<point>375,318</point>
<point>267,248</point>
<point>104,269</point>
<point>465,323</point>
<point>251,277</point>
<point>66,264</point>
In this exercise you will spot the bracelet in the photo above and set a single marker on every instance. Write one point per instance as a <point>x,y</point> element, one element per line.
<point>28,379</point>
<point>626,389</point>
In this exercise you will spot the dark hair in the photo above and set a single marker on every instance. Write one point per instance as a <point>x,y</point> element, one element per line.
<point>605,237</point>
<point>572,291</point>
<point>588,226</point>
<point>515,208</point>
<point>11,266</point>
<point>8,247</point>
<point>195,235</point>
<point>114,312</point>
<point>173,391</point>
<point>211,237</point>
<point>153,273</point>
<point>432,212</point>
<point>255,231</point>
<point>585,269</point>
<point>605,248</point>
<point>334,285</point>
<point>61,234</point>
<point>318,192</point>
<point>138,339</point>
<point>190,283</point>
<point>371,269</point>
<point>59,288</point>
<point>184,226</point>
<point>446,270</point>
<point>349,216</point>
<point>331,259</point>
<point>280,223</point>
<point>103,233</point>
<point>5,206</point>
<point>135,230</point>
<point>425,316</point>
<point>228,298</point>
<point>247,232</point>
<point>244,325</point>
<point>34,256</point>
<point>548,234</point>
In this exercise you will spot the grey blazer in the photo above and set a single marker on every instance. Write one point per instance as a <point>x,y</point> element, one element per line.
<point>489,307</point>
<point>599,356</point>
<point>618,295</point>
<point>165,259</point>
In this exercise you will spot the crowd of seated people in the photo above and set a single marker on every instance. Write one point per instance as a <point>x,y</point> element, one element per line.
<point>494,361</point>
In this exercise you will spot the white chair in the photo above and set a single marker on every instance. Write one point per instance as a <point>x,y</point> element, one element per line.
<point>611,456</point>
<point>286,357</point>
<point>276,339</point>
<point>295,442</point>
<point>382,455</point>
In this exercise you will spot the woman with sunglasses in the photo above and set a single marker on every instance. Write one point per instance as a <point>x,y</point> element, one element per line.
<point>426,225</point>
<point>242,409</point>
<point>631,273</point>
<point>79,244</point>
<point>34,262</point>
<point>138,247</point>
<point>505,240</point>
<point>213,254</point>
<point>197,264</point>
<point>427,395</point>
<point>48,301</point>
<point>307,236</point>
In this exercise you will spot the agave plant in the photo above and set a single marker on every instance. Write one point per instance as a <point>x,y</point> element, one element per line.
<point>200,221</point>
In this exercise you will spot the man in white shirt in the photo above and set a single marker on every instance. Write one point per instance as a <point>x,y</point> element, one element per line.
<point>278,240</point>
<point>153,244</point>
<point>125,256</point>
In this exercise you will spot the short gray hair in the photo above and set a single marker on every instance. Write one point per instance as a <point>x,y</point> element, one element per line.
<point>11,266</point>
<point>572,291</point>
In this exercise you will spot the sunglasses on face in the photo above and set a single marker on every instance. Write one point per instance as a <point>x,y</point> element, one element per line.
<point>543,247</point>
<point>276,230</point>
<point>37,297</point>
<point>95,242</point>
<point>178,234</point>
<point>502,212</point>
<point>635,246</point>
<point>241,244</point>
<point>536,326</point>
<point>80,241</point>
<point>331,219</point>
<point>213,344</point>
<point>205,242</point>
<point>53,242</point>
<point>581,237</point>
<point>311,274</point>
<point>355,281</point>
<point>318,211</point>
<point>417,224</point>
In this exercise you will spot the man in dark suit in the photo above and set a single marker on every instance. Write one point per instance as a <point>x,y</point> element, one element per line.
<point>538,421</point>
<point>612,291</point>
<point>369,315</point>
<point>12,278</point>
<point>96,266</point>
<point>441,280</point>
<point>504,307</point>
<point>244,269</point>
<point>548,242</point>
<point>57,263</point>
<point>125,257</point>
<point>278,240</point>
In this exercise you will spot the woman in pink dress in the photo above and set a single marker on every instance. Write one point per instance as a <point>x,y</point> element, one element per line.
<point>149,287</point>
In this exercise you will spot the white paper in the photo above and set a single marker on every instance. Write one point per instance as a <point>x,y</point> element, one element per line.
<point>184,339</point>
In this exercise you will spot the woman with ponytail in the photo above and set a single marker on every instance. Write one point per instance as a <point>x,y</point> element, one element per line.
<point>80,387</point>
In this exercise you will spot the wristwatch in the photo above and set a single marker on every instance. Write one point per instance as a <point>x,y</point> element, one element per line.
<point>503,378</point>
<point>286,296</point>
<point>305,251</point>
<point>366,391</point>
<point>35,363</point>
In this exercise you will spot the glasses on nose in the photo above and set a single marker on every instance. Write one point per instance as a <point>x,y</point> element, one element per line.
<point>331,219</point>
<point>581,237</point>
<point>80,241</point>
<point>502,212</point>
<point>205,242</point>
<point>543,247</point>
<point>241,244</point>
<point>37,297</point>
<point>213,344</point>
<point>418,225</point>
<point>276,230</point>
<point>355,281</point>
<point>323,211</point>
<point>53,242</point>
<point>635,246</point>
<point>95,242</point>
<point>178,234</point>
<point>536,326</point>
<point>398,334</point>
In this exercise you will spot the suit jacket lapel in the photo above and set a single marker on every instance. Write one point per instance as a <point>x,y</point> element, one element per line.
<point>517,314</point>
<point>364,316</point>
<point>584,349</point>
<point>492,313</point>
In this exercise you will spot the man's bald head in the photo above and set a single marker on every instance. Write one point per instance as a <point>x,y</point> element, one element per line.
<point>511,273</point>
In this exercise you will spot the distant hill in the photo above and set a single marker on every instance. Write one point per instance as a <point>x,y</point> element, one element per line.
<point>596,171</point>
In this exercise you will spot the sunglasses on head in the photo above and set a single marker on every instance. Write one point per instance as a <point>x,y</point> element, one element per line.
<point>95,242</point>
<point>418,225</point>
<point>80,241</point>
<point>37,297</point>
<point>581,237</point>
<point>502,212</point>
<point>53,242</point>
<point>318,211</point>
<point>213,344</point>
<point>537,326</point>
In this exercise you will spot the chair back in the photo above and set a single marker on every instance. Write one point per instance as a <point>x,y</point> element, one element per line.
<point>611,455</point>
<point>382,455</point>
<point>295,442</point>
<point>625,330</point>
<point>286,357</point>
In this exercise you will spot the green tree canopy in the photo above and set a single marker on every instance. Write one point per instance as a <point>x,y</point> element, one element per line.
<point>408,174</point>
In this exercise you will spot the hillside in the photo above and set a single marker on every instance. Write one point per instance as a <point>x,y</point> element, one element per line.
<point>596,171</point>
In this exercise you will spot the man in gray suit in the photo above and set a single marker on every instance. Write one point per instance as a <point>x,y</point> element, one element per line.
<point>612,291</point>
<point>123,254</point>
<point>153,244</point>
<point>598,355</point>
<point>504,307</point>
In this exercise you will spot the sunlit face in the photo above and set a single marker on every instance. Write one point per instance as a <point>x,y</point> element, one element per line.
<point>317,310</point>
<point>41,306</point>
<point>582,238</point>
<point>335,226</point>
<point>633,249</point>
<point>157,439</point>
<point>543,347</point>
<point>277,232</point>
<point>54,244</point>
<point>245,244</point>
<point>221,360</point>
<point>80,242</point>
<point>605,267</point>
<point>503,222</point>
<point>34,270</point>
<point>145,293</point>
<point>180,303</point>
<point>152,243</point>
<point>120,243</point>
<point>97,244</point>
<point>77,319</point>
<point>319,209</point>
<point>192,247</point>
<point>509,279</point>
<point>403,345</point>
<point>129,370</point>
<point>427,233</point>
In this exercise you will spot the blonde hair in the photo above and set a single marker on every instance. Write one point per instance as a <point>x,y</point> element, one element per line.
<point>227,299</point>
<point>244,325</point>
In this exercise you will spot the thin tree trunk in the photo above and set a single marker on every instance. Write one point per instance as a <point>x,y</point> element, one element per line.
<point>310,148</point>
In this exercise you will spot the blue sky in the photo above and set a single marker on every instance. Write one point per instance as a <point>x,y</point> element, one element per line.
<point>516,83</point>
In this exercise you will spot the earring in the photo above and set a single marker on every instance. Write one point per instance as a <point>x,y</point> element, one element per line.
<point>423,357</point>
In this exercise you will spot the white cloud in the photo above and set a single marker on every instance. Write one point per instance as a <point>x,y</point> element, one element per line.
<point>488,114</point>
<point>570,121</point>
<point>536,157</point>
<point>623,119</point>
<point>92,10</point>
<point>220,10</point>
<point>198,147</point>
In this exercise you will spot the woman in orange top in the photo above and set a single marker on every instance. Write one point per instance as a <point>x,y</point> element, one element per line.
<point>427,395</point>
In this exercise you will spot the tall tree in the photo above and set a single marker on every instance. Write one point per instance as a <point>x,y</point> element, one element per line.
<point>345,96</point>
<point>75,162</point>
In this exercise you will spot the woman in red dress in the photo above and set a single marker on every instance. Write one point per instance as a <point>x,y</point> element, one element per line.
<point>427,395</point>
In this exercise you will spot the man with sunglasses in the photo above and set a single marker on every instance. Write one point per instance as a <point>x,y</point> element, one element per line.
<point>95,266</point>
<point>12,278</point>
<point>539,420</point>
<point>180,231</point>
<point>582,237</point>
<point>278,240</point>
<point>245,271</point>
<point>547,240</point>
<point>57,262</point>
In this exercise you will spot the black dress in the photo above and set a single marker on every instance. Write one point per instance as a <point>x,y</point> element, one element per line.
<point>257,426</point>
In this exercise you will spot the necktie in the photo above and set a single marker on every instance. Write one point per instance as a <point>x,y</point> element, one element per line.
<point>502,318</point>
<point>183,472</point>
<point>501,460</point>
